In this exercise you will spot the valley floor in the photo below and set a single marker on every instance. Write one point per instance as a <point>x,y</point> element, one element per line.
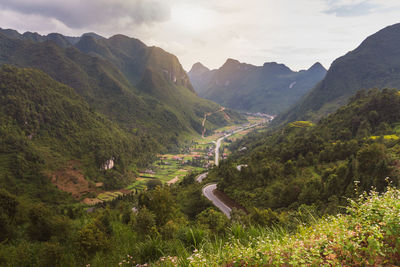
<point>197,157</point>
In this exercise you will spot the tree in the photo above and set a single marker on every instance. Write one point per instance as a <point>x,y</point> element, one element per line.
<point>92,238</point>
<point>311,191</point>
<point>144,221</point>
<point>8,203</point>
<point>6,228</point>
<point>153,183</point>
<point>40,227</point>
<point>372,166</point>
<point>161,203</point>
<point>44,224</point>
<point>8,209</point>
<point>212,220</point>
<point>289,168</point>
<point>263,217</point>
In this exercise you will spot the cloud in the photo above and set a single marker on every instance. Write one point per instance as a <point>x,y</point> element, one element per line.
<point>351,10</point>
<point>296,33</point>
<point>79,14</point>
<point>306,51</point>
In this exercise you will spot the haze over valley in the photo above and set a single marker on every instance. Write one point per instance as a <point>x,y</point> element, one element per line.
<point>184,133</point>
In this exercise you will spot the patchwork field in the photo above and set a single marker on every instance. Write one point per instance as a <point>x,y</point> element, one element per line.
<point>171,168</point>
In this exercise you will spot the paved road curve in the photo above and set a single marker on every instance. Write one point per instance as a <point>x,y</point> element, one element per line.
<point>201,177</point>
<point>218,144</point>
<point>208,192</point>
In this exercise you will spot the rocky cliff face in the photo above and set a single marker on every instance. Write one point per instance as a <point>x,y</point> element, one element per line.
<point>109,164</point>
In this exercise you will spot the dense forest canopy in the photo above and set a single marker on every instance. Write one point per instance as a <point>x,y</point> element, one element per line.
<point>319,164</point>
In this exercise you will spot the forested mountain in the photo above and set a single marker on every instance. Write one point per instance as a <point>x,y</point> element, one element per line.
<point>293,176</point>
<point>270,88</point>
<point>200,76</point>
<point>141,88</point>
<point>83,122</point>
<point>120,120</point>
<point>319,164</point>
<point>374,64</point>
<point>111,154</point>
<point>45,124</point>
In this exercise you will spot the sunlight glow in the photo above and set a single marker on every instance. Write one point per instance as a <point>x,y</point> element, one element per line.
<point>192,18</point>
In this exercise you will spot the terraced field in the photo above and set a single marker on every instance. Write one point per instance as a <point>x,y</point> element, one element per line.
<point>171,168</point>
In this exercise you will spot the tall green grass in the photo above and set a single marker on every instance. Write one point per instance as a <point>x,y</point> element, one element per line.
<point>367,235</point>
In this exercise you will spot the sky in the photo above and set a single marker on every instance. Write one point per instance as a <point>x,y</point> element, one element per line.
<point>297,33</point>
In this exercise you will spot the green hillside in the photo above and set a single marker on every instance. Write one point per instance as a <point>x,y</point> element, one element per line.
<point>157,73</point>
<point>80,116</point>
<point>318,164</point>
<point>45,126</point>
<point>271,88</point>
<point>48,134</point>
<point>293,177</point>
<point>374,64</point>
<point>133,58</point>
<point>161,110</point>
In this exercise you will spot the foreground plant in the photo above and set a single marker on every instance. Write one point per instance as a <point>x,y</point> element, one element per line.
<point>367,235</point>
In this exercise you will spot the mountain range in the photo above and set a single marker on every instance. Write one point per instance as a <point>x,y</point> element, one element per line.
<point>375,63</point>
<point>82,117</point>
<point>120,76</point>
<point>270,88</point>
<point>128,102</point>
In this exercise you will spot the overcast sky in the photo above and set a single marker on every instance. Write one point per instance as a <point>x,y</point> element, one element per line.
<point>294,32</point>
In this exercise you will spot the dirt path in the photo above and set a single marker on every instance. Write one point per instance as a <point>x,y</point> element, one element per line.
<point>173,181</point>
<point>222,109</point>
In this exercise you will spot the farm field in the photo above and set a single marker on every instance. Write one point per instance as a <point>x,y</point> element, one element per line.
<point>239,135</point>
<point>171,168</point>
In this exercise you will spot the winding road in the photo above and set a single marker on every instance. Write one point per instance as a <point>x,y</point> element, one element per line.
<point>217,146</point>
<point>201,177</point>
<point>208,190</point>
<point>222,109</point>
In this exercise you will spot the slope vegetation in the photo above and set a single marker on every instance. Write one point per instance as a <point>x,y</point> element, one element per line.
<point>318,164</point>
<point>46,126</point>
<point>366,236</point>
<point>374,64</point>
<point>135,94</point>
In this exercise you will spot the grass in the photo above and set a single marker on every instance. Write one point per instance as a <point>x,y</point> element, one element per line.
<point>301,124</point>
<point>390,137</point>
<point>367,235</point>
<point>104,197</point>
<point>108,196</point>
